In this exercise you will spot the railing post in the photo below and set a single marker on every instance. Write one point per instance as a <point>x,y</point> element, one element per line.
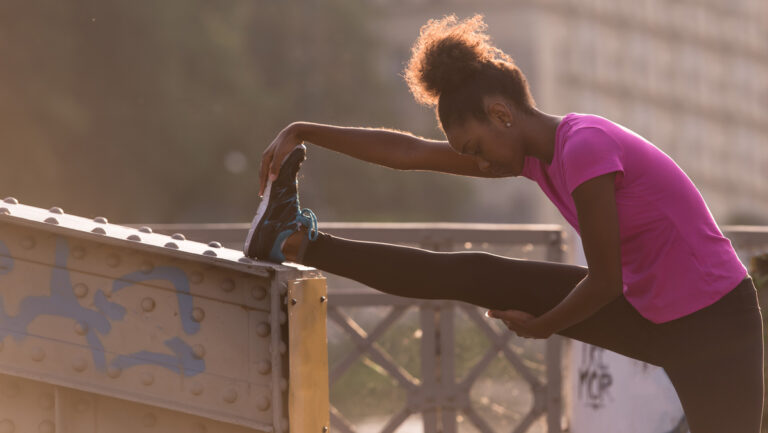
<point>554,354</point>
<point>447,371</point>
<point>429,373</point>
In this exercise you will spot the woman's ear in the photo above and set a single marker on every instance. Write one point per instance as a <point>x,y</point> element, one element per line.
<point>499,111</point>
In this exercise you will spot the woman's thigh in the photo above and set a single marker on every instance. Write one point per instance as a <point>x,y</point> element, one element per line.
<point>714,359</point>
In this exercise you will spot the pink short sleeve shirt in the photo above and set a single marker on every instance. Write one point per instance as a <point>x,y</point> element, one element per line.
<point>675,260</point>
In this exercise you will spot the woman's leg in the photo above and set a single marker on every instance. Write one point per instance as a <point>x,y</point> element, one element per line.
<point>482,279</point>
<point>714,358</point>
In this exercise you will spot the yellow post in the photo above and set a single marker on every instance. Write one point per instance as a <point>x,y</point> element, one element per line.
<point>308,406</point>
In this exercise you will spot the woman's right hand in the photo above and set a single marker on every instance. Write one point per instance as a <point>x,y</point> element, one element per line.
<point>275,153</point>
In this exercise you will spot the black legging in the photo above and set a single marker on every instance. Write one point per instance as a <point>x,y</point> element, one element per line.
<point>713,357</point>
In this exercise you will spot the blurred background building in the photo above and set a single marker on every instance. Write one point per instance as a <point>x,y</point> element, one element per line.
<point>159,113</point>
<point>691,76</point>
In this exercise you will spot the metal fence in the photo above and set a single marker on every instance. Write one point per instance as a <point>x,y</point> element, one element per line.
<point>441,394</point>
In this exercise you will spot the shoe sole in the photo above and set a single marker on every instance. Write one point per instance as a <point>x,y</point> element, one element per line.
<point>262,209</point>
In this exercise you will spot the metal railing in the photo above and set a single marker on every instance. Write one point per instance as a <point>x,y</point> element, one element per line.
<point>442,398</point>
<point>438,395</point>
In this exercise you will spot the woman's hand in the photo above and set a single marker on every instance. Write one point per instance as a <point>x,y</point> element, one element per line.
<point>275,153</point>
<point>521,323</point>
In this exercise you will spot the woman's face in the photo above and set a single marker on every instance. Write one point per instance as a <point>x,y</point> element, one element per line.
<point>497,149</point>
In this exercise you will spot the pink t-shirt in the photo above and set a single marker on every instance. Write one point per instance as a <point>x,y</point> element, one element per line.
<point>674,258</point>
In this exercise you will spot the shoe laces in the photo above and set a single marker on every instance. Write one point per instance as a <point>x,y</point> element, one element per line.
<point>307,218</point>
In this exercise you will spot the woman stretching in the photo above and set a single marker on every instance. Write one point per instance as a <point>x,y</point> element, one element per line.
<point>663,285</point>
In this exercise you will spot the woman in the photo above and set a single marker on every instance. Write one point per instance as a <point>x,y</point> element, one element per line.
<point>663,285</point>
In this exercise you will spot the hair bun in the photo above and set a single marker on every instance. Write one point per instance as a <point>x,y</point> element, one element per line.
<point>447,53</point>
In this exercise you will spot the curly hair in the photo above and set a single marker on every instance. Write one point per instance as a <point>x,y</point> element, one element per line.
<point>453,66</point>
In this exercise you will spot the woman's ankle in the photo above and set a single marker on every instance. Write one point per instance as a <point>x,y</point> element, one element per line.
<point>292,245</point>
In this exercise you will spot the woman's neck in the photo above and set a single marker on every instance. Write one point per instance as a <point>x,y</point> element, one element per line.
<point>540,134</point>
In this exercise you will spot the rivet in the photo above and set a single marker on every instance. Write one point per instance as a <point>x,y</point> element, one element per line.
<point>57,210</point>
<point>172,245</point>
<point>113,260</point>
<point>45,401</point>
<point>214,244</point>
<point>325,429</point>
<point>245,260</point>
<point>134,238</point>
<point>283,385</point>
<point>198,314</point>
<point>294,301</point>
<point>100,220</point>
<point>178,237</point>
<point>227,284</point>
<point>146,266</point>
<point>283,348</point>
<point>38,354</point>
<point>79,365</point>
<point>263,329</point>
<point>209,253</point>
<point>11,200</point>
<point>196,388</point>
<point>323,299</point>
<point>82,405</point>
<point>198,350</point>
<point>259,292</point>
<point>262,403</point>
<point>10,389</point>
<point>196,277</point>
<point>230,395</point>
<point>6,425</point>
<point>78,252</point>
<point>51,220</point>
<point>81,328</point>
<point>114,372</point>
<point>264,366</point>
<point>28,242</point>
<point>149,420</point>
<point>147,379</point>
<point>4,211</point>
<point>145,229</point>
<point>148,304</point>
<point>99,231</point>
<point>80,290</point>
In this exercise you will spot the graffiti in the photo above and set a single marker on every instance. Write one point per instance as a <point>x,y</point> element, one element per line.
<point>62,302</point>
<point>594,378</point>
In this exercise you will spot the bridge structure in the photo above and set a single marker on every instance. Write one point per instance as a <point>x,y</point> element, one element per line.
<point>110,329</point>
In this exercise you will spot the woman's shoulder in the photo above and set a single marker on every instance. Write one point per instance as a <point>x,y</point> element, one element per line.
<point>583,123</point>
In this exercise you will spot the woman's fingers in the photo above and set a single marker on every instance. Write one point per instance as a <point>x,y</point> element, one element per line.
<point>513,320</point>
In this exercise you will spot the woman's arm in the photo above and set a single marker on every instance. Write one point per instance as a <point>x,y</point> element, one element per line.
<point>390,148</point>
<point>599,225</point>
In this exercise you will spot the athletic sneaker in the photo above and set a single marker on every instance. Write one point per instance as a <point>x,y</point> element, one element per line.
<point>279,214</point>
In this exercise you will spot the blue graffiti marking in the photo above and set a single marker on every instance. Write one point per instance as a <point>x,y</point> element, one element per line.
<point>190,366</point>
<point>180,282</point>
<point>110,309</point>
<point>6,261</point>
<point>62,302</point>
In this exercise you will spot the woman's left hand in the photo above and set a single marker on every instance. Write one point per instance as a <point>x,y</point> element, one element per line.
<point>521,323</point>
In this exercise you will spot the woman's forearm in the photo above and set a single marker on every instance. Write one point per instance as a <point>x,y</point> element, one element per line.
<point>385,147</point>
<point>584,300</point>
